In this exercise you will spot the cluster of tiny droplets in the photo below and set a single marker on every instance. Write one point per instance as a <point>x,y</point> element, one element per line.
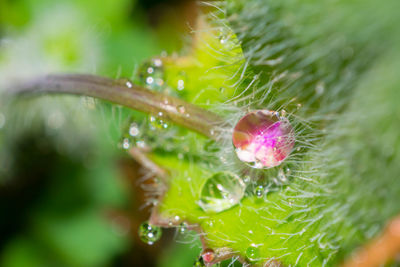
<point>151,75</point>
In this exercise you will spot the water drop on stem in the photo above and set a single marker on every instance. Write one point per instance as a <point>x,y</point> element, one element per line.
<point>149,233</point>
<point>252,253</point>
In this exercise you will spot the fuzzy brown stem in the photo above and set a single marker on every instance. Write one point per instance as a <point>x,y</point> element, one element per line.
<point>129,95</point>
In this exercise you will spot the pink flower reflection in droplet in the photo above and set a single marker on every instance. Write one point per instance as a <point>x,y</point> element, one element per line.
<point>263,139</point>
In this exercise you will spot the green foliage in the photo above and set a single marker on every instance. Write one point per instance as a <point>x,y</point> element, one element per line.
<point>330,66</point>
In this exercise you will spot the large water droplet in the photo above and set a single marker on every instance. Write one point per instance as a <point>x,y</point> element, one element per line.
<point>263,139</point>
<point>221,191</point>
<point>149,233</point>
<point>252,253</point>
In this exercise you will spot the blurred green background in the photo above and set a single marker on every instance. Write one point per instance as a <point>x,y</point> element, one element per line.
<point>68,195</point>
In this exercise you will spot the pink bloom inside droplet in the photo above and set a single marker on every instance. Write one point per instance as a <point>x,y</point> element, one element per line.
<point>263,139</point>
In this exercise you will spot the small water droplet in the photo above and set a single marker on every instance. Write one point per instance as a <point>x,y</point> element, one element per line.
<point>126,82</point>
<point>259,191</point>
<point>157,123</point>
<point>181,109</point>
<point>151,74</point>
<point>183,227</point>
<point>246,179</point>
<point>224,36</point>
<point>181,81</point>
<point>252,253</point>
<point>210,223</point>
<point>208,255</point>
<point>149,233</point>
<point>262,139</point>
<point>298,105</point>
<point>221,191</point>
<point>282,176</point>
<point>126,144</point>
<point>177,218</point>
<point>181,85</point>
<point>149,80</point>
<point>257,164</point>
<point>133,130</point>
<point>223,159</point>
<point>141,144</point>
<point>157,62</point>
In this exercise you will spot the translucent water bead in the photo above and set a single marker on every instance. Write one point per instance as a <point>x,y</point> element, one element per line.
<point>263,139</point>
<point>221,191</point>
<point>149,233</point>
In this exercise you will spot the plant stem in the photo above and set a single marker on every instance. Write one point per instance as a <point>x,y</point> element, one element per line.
<point>129,95</point>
